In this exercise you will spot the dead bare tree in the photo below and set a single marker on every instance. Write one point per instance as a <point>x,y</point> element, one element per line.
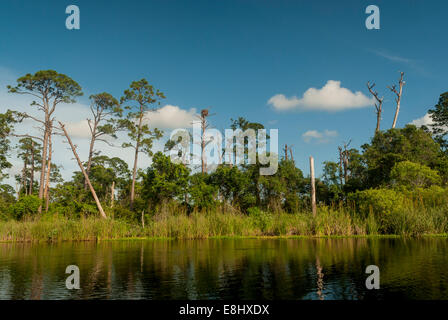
<point>204,126</point>
<point>97,201</point>
<point>290,153</point>
<point>341,165</point>
<point>344,156</point>
<point>398,93</point>
<point>378,105</point>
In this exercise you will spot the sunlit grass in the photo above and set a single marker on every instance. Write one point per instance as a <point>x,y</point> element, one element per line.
<point>329,221</point>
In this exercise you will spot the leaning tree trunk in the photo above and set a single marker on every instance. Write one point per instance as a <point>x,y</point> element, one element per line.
<point>97,201</point>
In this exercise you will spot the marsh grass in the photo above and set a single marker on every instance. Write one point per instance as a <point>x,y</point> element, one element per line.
<point>413,220</point>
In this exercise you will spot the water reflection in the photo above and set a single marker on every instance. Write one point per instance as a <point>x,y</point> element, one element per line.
<point>223,269</point>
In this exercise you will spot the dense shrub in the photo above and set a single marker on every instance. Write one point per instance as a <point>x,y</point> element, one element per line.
<point>260,219</point>
<point>412,175</point>
<point>25,206</point>
<point>383,204</point>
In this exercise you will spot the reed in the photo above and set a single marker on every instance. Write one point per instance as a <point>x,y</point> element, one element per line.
<point>411,220</point>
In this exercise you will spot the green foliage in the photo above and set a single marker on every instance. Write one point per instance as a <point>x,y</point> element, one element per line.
<point>26,206</point>
<point>233,186</point>
<point>50,83</point>
<point>414,175</point>
<point>139,97</point>
<point>165,180</point>
<point>105,109</point>
<point>202,193</point>
<point>396,145</point>
<point>439,116</point>
<point>260,219</point>
<point>282,190</point>
<point>7,120</point>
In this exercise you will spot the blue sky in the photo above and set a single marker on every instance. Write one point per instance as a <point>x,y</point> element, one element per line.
<point>234,56</point>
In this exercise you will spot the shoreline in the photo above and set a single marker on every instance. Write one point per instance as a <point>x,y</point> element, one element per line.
<point>282,237</point>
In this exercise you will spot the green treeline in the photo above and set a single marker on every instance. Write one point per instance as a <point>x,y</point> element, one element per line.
<point>395,184</point>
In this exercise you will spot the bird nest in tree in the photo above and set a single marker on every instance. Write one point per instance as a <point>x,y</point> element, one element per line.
<point>204,112</point>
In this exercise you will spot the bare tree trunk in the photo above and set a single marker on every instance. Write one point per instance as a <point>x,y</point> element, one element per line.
<point>32,169</point>
<point>398,99</point>
<point>341,160</point>
<point>47,180</point>
<point>43,166</point>
<point>203,161</point>
<point>137,147</point>
<point>97,201</point>
<point>24,174</point>
<point>313,187</point>
<point>89,160</point>
<point>112,194</point>
<point>378,120</point>
<point>378,105</point>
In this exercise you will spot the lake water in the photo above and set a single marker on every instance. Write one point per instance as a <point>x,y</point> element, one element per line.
<point>227,269</point>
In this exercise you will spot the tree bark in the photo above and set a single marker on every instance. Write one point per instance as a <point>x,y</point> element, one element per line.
<point>47,180</point>
<point>24,174</point>
<point>313,187</point>
<point>112,194</point>
<point>378,120</point>
<point>43,163</point>
<point>89,160</point>
<point>398,99</point>
<point>378,105</point>
<point>32,169</point>
<point>97,201</point>
<point>137,147</point>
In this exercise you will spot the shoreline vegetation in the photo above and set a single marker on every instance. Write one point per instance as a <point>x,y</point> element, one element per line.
<point>328,222</point>
<point>395,184</point>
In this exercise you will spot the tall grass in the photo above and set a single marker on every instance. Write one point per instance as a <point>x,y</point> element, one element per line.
<point>329,221</point>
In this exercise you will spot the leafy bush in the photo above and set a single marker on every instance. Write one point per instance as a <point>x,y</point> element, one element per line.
<point>412,175</point>
<point>25,206</point>
<point>260,219</point>
<point>383,204</point>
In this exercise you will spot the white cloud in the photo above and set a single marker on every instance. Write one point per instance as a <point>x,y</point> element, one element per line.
<point>171,117</point>
<point>79,129</point>
<point>426,120</point>
<point>319,137</point>
<point>331,97</point>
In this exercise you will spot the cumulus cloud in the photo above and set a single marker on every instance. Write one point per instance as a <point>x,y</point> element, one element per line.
<point>426,120</point>
<point>171,117</point>
<point>319,137</point>
<point>79,129</point>
<point>331,97</point>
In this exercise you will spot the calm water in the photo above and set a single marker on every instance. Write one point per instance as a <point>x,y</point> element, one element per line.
<point>222,269</point>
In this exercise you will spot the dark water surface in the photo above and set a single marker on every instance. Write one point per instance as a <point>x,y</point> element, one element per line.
<point>227,269</point>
